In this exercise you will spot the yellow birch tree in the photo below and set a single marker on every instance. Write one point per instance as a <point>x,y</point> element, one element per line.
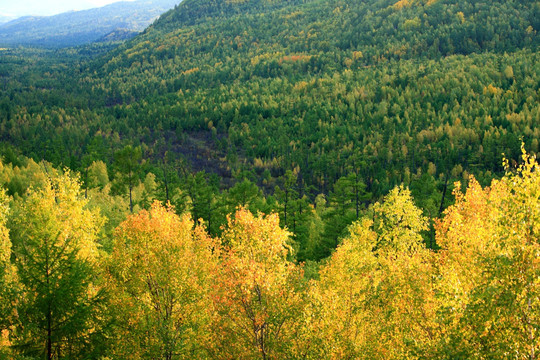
<point>161,269</point>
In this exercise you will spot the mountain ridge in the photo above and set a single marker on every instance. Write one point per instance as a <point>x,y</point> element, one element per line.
<point>75,28</point>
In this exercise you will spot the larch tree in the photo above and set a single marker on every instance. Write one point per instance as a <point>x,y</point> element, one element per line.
<point>127,163</point>
<point>56,252</point>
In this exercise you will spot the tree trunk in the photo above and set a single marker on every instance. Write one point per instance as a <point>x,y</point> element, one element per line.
<point>49,312</point>
<point>357,196</point>
<point>86,184</point>
<point>130,199</point>
<point>444,193</point>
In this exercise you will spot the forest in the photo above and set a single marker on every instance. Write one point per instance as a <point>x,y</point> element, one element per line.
<point>256,179</point>
<point>159,286</point>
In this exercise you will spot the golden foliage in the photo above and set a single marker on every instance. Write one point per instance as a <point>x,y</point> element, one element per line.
<point>160,274</point>
<point>376,295</point>
<point>488,268</point>
<point>256,299</point>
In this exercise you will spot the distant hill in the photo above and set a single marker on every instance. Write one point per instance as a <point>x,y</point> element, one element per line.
<point>256,34</point>
<point>81,27</point>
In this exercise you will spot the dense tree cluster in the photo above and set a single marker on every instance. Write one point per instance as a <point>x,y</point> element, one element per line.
<point>159,286</point>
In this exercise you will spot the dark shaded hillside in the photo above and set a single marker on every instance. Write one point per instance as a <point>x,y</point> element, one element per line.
<point>81,27</point>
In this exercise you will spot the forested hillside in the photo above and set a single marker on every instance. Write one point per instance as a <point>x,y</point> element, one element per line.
<point>318,102</point>
<point>257,179</point>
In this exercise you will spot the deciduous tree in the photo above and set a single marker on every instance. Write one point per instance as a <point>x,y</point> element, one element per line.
<point>375,297</point>
<point>57,257</point>
<point>161,272</point>
<point>257,302</point>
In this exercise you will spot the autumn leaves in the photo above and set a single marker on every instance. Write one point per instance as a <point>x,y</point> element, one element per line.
<point>159,282</point>
<point>56,295</point>
<point>474,298</point>
<point>167,290</point>
<point>180,294</point>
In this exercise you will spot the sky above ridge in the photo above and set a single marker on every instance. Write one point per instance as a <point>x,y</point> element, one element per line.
<point>17,8</point>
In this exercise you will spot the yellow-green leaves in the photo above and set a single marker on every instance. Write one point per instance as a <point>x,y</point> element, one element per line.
<point>488,268</point>
<point>375,295</point>
<point>176,293</point>
<point>7,277</point>
<point>58,260</point>
<point>256,298</point>
<point>399,222</point>
<point>5,242</point>
<point>161,271</point>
